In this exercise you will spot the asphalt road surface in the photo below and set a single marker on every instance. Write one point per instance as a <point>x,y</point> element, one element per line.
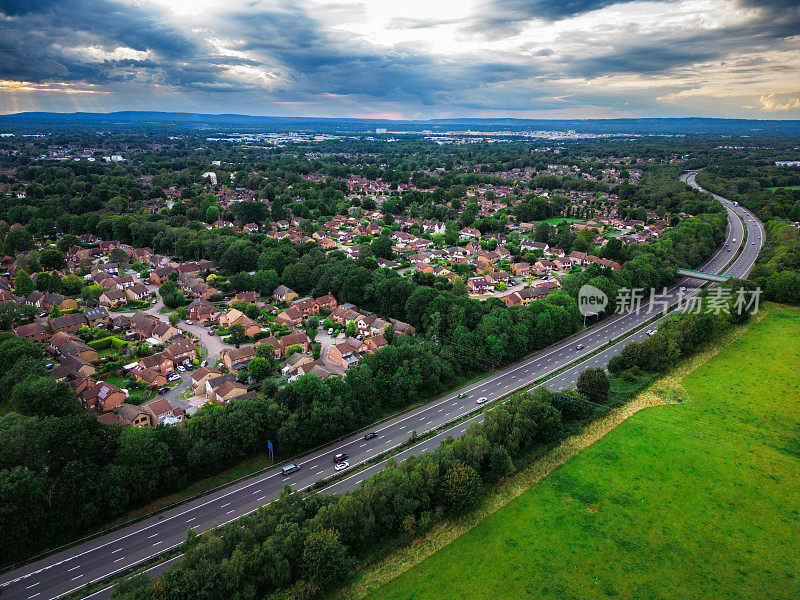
<point>96,559</point>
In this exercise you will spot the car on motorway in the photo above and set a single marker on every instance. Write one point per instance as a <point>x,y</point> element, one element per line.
<point>482,399</point>
<point>463,395</point>
<point>341,457</point>
<point>650,332</point>
<point>342,465</point>
<point>289,469</point>
<point>370,436</point>
<point>579,347</point>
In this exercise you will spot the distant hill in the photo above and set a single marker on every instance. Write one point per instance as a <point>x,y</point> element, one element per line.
<point>34,121</point>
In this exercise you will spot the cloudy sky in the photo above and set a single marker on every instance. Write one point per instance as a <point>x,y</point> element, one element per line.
<point>404,58</point>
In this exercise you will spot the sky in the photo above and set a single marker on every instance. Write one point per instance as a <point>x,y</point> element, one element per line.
<point>404,59</point>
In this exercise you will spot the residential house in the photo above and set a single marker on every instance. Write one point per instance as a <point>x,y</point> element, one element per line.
<point>137,292</point>
<point>160,362</point>
<point>200,376</point>
<point>181,351</point>
<point>68,323</point>
<point>237,358</point>
<point>291,317</point>
<point>345,354</point>
<point>135,416</point>
<point>284,294</point>
<point>161,411</point>
<point>113,298</point>
<point>296,338</point>
<point>97,316</point>
<point>33,332</point>
<point>151,377</point>
<point>202,311</point>
<point>308,306</point>
<point>327,301</point>
<point>102,396</point>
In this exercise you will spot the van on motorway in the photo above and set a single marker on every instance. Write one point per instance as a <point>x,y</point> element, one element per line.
<point>289,469</point>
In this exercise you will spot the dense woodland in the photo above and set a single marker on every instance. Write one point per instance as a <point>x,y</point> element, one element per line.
<point>773,194</point>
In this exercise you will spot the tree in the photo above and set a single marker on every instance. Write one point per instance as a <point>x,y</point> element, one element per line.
<point>461,488</point>
<point>43,397</point>
<point>174,319</point>
<point>261,367</point>
<point>67,242</point>
<point>18,239</point>
<point>382,247</point>
<point>51,259</point>
<point>119,256</point>
<point>72,285</point>
<point>238,335</point>
<point>23,284</point>
<point>212,214</point>
<point>252,311</point>
<point>326,561</point>
<point>593,383</point>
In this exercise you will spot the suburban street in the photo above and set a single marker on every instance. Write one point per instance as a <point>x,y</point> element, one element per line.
<point>96,559</point>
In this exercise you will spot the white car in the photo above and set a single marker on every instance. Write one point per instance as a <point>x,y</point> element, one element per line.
<point>330,331</point>
<point>188,322</point>
<point>173,377</point>
<point>342,465</point>
<point>181,368</point>
<point>482,399</point>
<point>650,332</point>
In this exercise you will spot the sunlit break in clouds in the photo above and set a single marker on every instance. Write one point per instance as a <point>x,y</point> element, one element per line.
<point>413,59</point>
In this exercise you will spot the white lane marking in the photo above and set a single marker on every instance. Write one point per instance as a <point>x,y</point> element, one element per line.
<point>78,567</point>
<point>190,520</point>
<point>224,505</point>
<point>33,585</point>
<point>152,536</point>
<point>119,559</point>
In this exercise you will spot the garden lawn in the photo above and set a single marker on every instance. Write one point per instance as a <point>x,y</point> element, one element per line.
<point>786,187</point>
<point>697,500</point>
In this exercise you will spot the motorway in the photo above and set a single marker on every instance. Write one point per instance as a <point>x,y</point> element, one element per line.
<point>96,559</point>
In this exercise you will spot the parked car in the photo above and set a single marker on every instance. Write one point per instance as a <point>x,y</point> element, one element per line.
<point>370,436</point>
<point>289,469</point>
<point>188,322</point>
<point>181,368</point>
<point>49,365</point>
<point>163,390</point>
<point>342,465</point>
<point>153,302</point>
<point>330,331</point>
<point>211,332</point>
<point>204,363</point>
<point>342,456</point>
<point>173,377</point>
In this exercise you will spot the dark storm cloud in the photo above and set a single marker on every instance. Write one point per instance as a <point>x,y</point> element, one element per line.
<point>296,56</point>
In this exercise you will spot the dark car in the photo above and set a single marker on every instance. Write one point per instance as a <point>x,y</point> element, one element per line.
<point>371,435</point>
<point>163,390</point>
<point>341,457</point>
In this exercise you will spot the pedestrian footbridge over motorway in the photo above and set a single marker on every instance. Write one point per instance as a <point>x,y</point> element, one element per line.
<point>702,275</point>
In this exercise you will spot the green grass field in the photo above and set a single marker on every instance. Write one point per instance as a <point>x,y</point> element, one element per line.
<point>786,187</point>
<point>698,501</point>
<point>557,220</point>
